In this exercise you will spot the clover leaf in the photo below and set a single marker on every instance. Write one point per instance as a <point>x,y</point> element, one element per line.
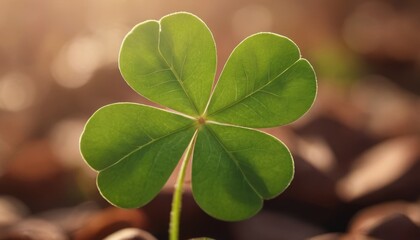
<point>172,62</point>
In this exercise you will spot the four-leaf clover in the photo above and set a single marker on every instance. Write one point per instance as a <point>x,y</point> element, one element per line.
<point>172,62</point>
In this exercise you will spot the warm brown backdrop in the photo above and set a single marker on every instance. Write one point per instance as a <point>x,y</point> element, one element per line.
<point>357,151</point>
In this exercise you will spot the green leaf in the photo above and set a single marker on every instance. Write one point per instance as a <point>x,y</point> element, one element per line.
<point>171,62</point>
<point>135,148</point>
<point>265,83</point>
<point>235,168</point>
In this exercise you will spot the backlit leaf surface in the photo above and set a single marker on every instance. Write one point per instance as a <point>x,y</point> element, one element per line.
<point>135,148</point>
<point>171,62</point>
<point>231,177</point>
<point>265,83</point>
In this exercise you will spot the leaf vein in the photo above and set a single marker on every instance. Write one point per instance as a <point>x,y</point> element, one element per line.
<point>253,92</point>
<point>147,144</point>
<point>235,161</point>
<point>176,75</point>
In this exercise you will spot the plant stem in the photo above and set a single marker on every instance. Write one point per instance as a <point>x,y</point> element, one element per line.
<point>177,197</point>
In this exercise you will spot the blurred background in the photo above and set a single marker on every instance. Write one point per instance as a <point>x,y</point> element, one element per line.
<point>357,152</point>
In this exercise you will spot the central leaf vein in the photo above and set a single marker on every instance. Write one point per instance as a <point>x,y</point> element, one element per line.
<point>234,159</point>
<point>174,72</point>
<point>253,92</point>
<point>153,140</point>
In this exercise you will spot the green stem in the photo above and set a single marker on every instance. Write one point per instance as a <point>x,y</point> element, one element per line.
<point>177,197</point>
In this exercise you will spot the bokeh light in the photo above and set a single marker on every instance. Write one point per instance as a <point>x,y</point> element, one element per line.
<point>64,139</point>
<point>356,152</point>
<point>258,17</point>
<point>17,91</point>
